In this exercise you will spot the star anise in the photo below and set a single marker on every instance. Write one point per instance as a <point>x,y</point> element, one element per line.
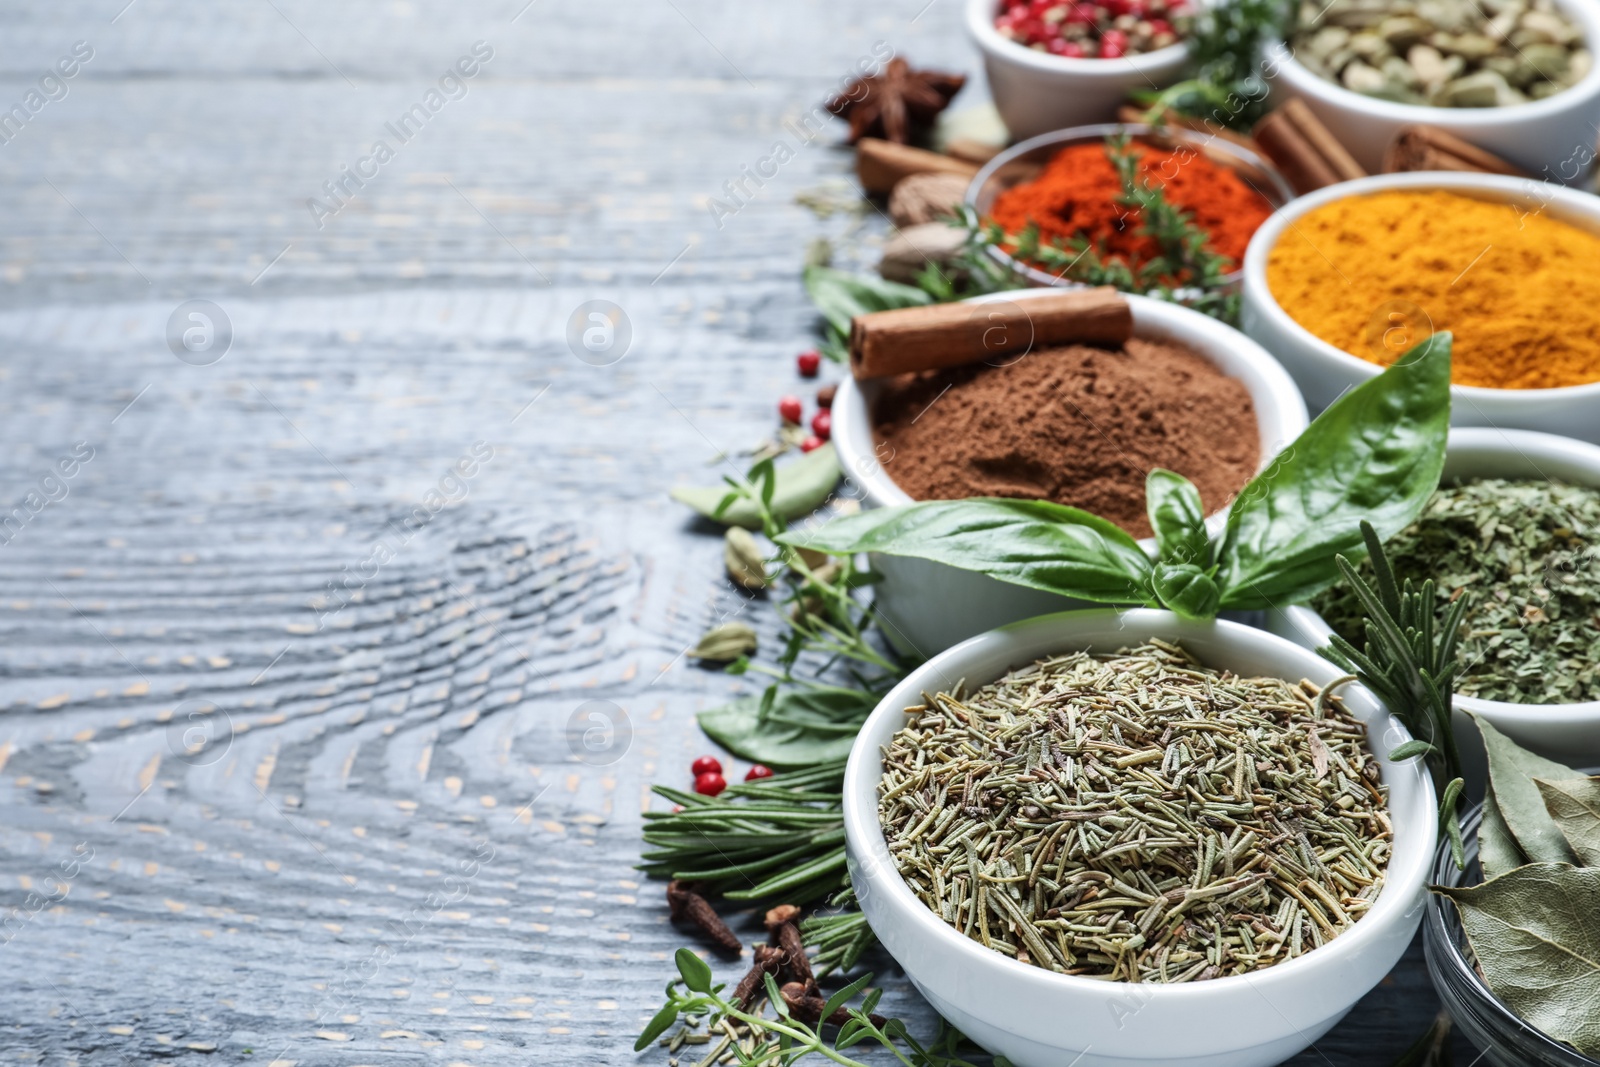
<point>896,104</point>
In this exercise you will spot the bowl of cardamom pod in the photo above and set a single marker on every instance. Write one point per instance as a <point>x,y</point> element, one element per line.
<point>1340,283</point>
<point>1515,77</point>
<point>1514,527</point>
<point>1113,838</point>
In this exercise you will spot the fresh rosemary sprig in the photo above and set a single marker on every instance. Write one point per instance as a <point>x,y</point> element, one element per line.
<point>1227,88</point>
<point>1409,661</point>
<point>1185,270</point>
<point>785,1040</point>
<point>780,839</point>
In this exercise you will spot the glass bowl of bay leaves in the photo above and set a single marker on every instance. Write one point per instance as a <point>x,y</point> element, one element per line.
<point>1504,1038</point>
<point>1157,941</point>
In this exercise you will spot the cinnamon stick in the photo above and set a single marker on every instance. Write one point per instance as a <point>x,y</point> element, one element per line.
<point>948,335</point>
<point>1307,152</point>
<point>879,164</point>
<point>1421,147</point>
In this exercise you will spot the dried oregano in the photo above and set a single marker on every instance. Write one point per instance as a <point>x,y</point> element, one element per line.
<point>1524,552</point>
<point>1137,816</point>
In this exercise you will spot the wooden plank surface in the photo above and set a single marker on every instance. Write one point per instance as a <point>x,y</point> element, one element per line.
<point>388,851</point>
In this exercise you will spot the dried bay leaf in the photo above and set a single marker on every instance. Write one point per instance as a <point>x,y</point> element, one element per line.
<point>1512,770</point>
<point>801,487</point>
<point>1497,849</point>
<point>1574,803</point>
<point>1536,934</point>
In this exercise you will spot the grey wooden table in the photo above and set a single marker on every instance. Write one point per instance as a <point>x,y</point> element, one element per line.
<point>293,628</point>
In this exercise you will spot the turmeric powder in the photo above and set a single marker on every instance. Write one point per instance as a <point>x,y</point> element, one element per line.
<point>1519,289</point>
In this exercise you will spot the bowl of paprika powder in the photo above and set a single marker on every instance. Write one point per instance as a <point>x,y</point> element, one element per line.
<point>1066,184</point>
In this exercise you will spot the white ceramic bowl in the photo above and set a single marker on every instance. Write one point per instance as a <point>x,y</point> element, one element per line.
<point>1569,733</point>
<point>1036,92</point>
<point>1042,1019</point>
<point>1001,173</point>
<point>1553,138</point>
<point>927,607</point>
<point>1323,372</point>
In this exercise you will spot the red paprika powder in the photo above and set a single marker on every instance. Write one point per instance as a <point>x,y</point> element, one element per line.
<point>1076,196</point>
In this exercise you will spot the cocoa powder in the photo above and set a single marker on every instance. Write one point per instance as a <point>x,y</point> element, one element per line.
<point>1077,425</point>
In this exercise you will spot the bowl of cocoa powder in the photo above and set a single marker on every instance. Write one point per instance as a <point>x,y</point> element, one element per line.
<point>1079,424</point>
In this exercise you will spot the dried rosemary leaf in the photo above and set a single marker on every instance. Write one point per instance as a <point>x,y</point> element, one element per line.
<point>1526,553</point>
<point>1138,816</point>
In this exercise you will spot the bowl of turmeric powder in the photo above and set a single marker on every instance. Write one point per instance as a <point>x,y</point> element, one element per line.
<point>1339,283</point>
<point>1057,199</point>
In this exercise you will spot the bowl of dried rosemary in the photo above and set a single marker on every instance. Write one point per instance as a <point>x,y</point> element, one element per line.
<point>1114,835</point>
<point>1515,527</point>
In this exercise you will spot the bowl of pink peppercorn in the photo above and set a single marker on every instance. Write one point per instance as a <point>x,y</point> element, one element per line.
<point>1059,63</point>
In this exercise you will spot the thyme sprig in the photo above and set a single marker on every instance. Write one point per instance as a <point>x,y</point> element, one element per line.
<point>784,1040</point>
<point>1409,661</point>
<point>1184,270</point>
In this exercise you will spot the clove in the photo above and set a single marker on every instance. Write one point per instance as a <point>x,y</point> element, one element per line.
<point>807,1007</point>
<point>687,905</point>
<point>769,959</point>
<point>782,932</point>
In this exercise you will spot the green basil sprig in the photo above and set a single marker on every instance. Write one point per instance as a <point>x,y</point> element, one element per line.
<point>1375,454</point>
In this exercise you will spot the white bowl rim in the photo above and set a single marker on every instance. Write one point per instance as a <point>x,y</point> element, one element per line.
<point>1531,444</point>
<point>881,491</point>
<point>980,24</point>
<point>1523,189</point>
<point>1303,79</point>
<point>861,816</point>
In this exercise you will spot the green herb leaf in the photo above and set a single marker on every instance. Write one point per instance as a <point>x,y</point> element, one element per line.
<point>1497,849</point>
<point>696,972</point>
<point>1186,590</point>
<point>1512,770</point>
<point>1574,803</point>
<point>1536,935</point>
<point>1177,517</point>
<point>799,487</point>
<point>1025,542</point>
<point>657,1025</point>
<point>1410,749</point>
<point>840,297</point>
<point>1374,454</point>
<point>802,727</point>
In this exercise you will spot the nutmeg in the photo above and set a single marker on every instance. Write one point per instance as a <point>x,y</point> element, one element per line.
<point>920,198</point>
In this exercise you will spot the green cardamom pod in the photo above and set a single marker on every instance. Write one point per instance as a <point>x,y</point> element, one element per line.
<point>725,643</point>
<point>742,556</point>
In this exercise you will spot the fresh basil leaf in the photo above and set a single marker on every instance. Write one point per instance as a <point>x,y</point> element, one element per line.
<point>801,727</point>
<point>1512,770</point>
<point>1177,517</point>
<point>840,297</point>
<point>798,487</point>
<point>1025,542</point>
<point>1497,849</point>
<point>696,972</point>
<point>1536,935</point>
<point>1374,454</point>
<point>1574,804</point>
<point>1186,590</point>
